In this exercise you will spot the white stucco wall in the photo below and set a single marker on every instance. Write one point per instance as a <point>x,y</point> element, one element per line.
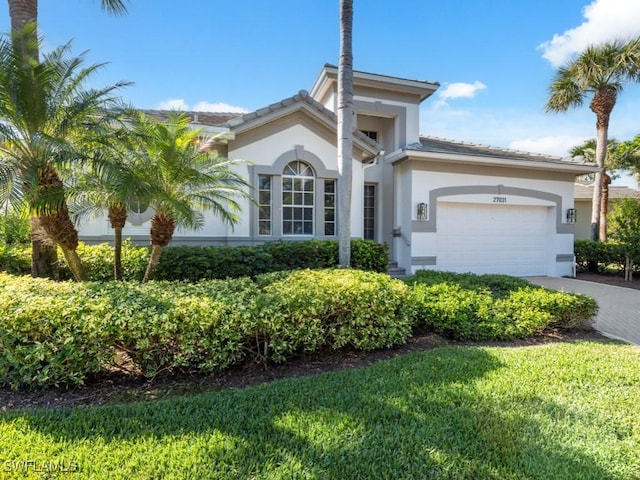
<point>424,245</point>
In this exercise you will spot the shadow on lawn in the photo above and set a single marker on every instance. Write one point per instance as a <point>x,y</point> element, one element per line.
<point>415,416</point>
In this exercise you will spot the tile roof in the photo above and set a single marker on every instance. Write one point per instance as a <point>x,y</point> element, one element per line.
<point>301,97</point>
<point>581,191</point>
<point>212,119</point>
<point>455,147</point>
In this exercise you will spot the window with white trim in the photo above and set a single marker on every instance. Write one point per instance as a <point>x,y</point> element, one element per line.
<point>329,207</point>
<point>264,204</point>
<point>369,213</point>
<point>298,199</point>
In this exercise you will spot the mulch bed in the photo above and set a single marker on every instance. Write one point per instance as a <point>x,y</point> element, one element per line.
<point>616,279</point>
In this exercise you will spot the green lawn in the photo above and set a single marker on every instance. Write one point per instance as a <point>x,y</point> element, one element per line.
<point>558,411</point>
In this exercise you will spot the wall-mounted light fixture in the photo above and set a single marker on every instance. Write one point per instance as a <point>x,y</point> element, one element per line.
<point>422,211</point>
<point>572,215</point>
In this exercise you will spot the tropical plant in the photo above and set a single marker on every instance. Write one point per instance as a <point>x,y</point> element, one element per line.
<point>625,228</point>
<point>47,118</point>
<point>23,13</point>
<point>109,184</point>
<point>599,71</point>
<point>629,154</point>
<point>345,132</point>
<point>186,180</point>
<point>612,163</point>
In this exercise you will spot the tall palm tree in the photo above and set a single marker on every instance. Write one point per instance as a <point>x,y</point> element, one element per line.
<point>600,71</point>
<point>345,132</point>
<point>23,12</point>
<point>46,120</point>
<point>186,181</point>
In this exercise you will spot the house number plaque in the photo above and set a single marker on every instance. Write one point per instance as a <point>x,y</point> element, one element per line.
<point>499,199</point>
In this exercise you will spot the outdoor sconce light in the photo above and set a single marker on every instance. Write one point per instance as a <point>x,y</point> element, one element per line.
<point>422,211</point>
<point>572,215</point>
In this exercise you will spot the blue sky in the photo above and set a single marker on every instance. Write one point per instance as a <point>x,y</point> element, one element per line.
<point>495,59</point>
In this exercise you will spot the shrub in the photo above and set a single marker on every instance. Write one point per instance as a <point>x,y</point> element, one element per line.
<point>600,255</point>
<point>50,333</point>
<point>487,307</point>
<point>14,230</point>
<point>218,262</point>
<point>303,310</point>
<point>212,262</point>
<point>15,259</point>
<point>162,325</point>
<point>98,261</point>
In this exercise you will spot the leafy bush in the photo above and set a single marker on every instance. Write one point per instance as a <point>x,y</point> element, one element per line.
<point>14,230</point>
<point>487,307</point>
<point>50,333</point>
<point>15,259</point>
<point>602,255</point>
<point>303,310</point>
<point>56,333</point>
<point>164,325</point>
<point>98,261</point>
<point>211,262</point>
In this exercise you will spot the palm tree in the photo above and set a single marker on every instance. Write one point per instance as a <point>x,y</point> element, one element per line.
<point>186,180</point>
<point>25,11</point>
<point>600,71</point>
<point>22,13</point>
<point>345,132</point>
<point>108,184</point>
<point>46,120</point>
<point>612,162</point>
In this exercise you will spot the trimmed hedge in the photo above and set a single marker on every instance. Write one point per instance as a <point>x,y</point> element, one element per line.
<point>207,262</point>
<point>493,307</point>
<point>218,262</point>
<point>603,255</point>
<point>60,333</point>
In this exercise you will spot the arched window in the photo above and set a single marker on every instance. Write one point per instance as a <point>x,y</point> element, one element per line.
<point>298,194</point>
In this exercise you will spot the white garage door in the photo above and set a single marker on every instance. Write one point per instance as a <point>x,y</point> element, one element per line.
<point>509,239</point>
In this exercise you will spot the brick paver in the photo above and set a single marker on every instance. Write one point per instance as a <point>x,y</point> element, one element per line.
<point>619,312</point>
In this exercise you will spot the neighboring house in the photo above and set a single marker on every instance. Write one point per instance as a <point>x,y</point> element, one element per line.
<point>438,204</point>
<point>583,195</point>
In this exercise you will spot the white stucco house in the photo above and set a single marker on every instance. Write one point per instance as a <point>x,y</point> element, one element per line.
<point>438,204</point>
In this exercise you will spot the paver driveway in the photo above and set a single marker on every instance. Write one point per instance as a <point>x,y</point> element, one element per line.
<point>619,313</point>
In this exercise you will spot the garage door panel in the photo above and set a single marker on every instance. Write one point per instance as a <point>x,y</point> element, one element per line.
<point>492,238</point>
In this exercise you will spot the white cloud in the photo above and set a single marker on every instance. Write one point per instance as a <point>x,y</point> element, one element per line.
<point>559,145</point>
<point>203,106</point>
<point>173,104</point>
<point>461,90</point>
<point>605,20</point>
<point>218,107</point>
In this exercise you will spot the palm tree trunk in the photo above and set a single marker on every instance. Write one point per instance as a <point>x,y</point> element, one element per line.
<point>44,255</point>
<point>117,254</point>
<point>601,153</point>
<point>74,263</point>
<point>345,132</point>
<point>604,206</point>
<point>22,12</point>
<point>118,218</point>
<point>154,260</point>
<point>162,228</point>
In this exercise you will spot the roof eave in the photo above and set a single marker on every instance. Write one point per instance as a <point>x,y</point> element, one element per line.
<point>405,155</point>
